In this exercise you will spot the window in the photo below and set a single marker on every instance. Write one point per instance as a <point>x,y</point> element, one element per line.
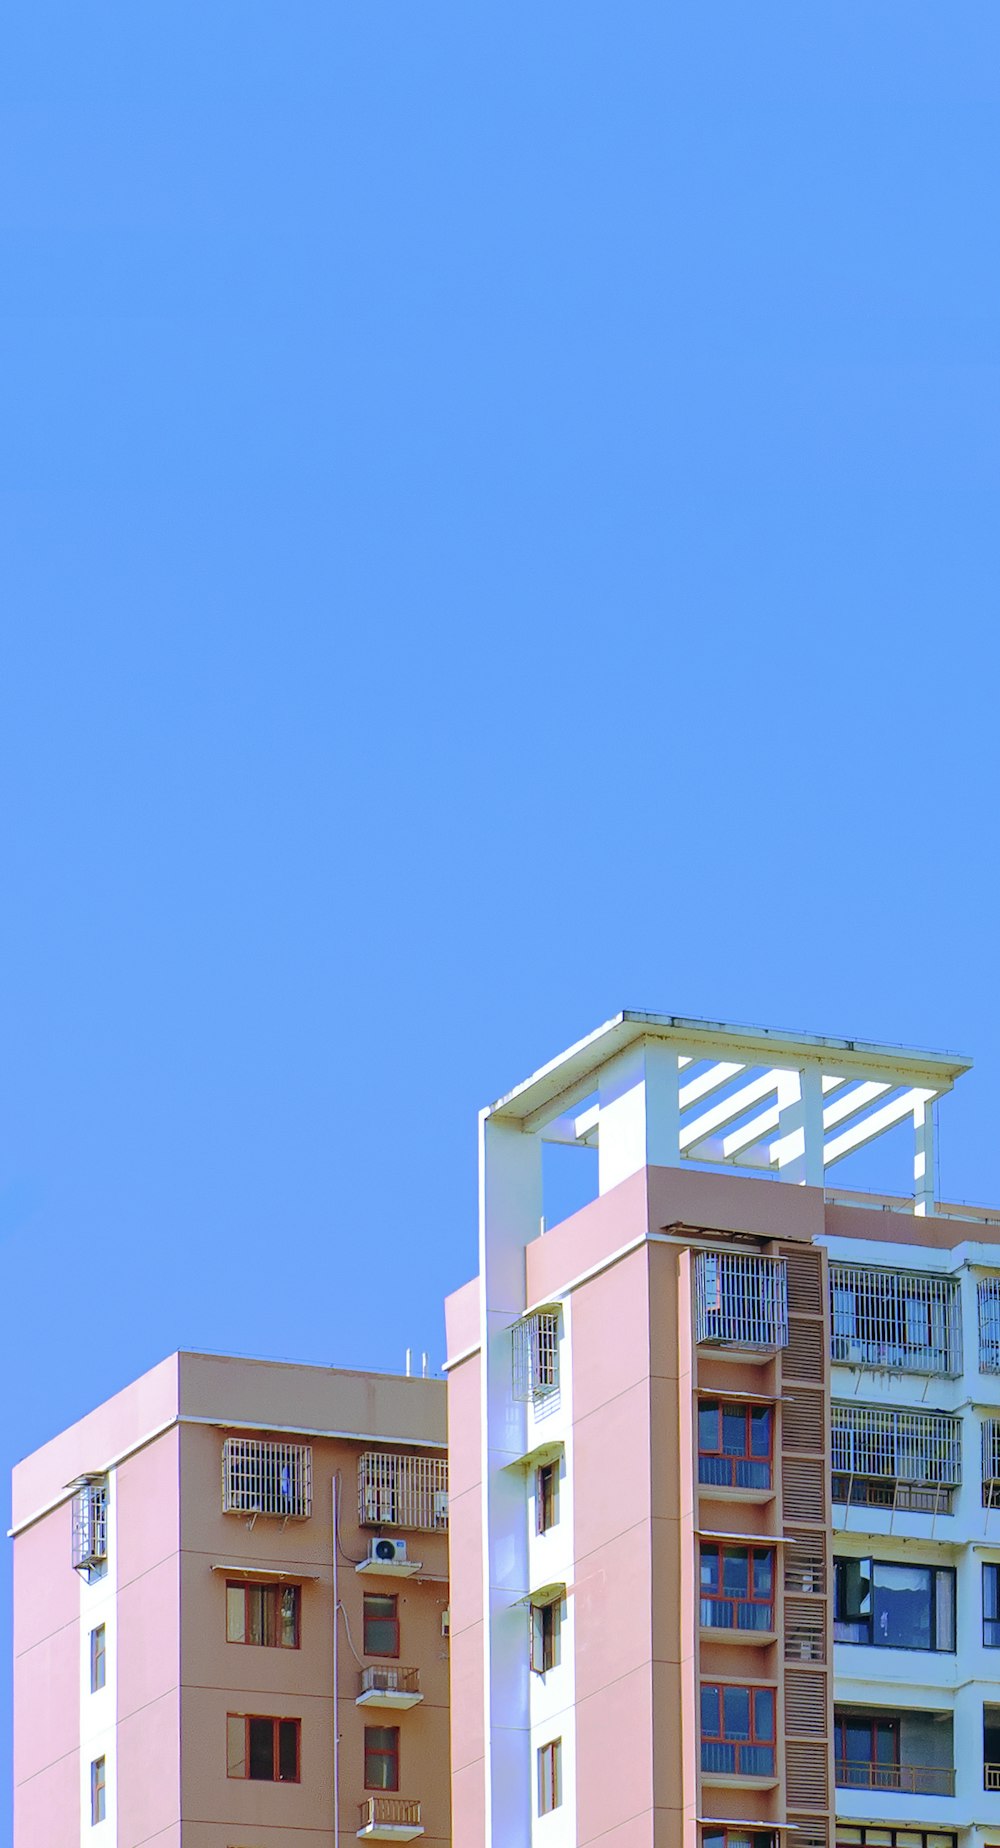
<point>535,1355</point>
<point>264,1476</point>
<point>737,1587</point>
<point>863,1741</point>
<point>734,1444</point>
<point>741,1300</point>
<point>381,1757</point>
<point>97,1658</point>
<point>546,1496</point>
<point>381,1626</point>
<point>903,1319</point>
<point>894,1459</point>
<point>737,1730</point>
<point>549,1776</point>
<point>263,1748</point>
<point>893,1606</point>
<point>546,1620</point>
<point>991,1607</point>
<point>403,1491</point>
<point>98,1790</point>
<point>90,1528</point>
<point>881,1837</point>
<point>264,1614</point>
<point>737,1838</point>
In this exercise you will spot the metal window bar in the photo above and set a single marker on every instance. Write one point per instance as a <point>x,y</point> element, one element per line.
<point>268,1477</point>
<point>402,1491</point>
<point>883,1458</point>
<point>90,1525</point>
<point>991,1777</point>
<point>389,1678</point>
<point>908,1320</point>
<point>390,1811</point>
<point>988,1303</point>
<point>921,1780</point>
<point>741,1299</point>
<point>535,1355</point>
<point>991,1462</point>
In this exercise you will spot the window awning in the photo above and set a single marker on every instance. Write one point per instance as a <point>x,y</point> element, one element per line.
<point>271,1574</point>
<point>708,1533</point>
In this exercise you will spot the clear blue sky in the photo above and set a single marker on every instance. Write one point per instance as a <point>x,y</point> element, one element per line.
<point>499,523</point>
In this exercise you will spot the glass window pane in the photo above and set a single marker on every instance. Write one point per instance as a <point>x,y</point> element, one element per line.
<point>708,1426</point>
<point>944,1610</point>
<point>288,1749</point>
<point>764,1713</point>
<point>763,1575</point>
<point>709,1569</point>
<point>902,1600</point>
<point>856,1742</point>
<point>235,1614</point>
<point>255,1623</point>
<point>760,1431</point>
<point>261,1749</point>
<point>290,1617</point>
<point>381,1628</point>
<point>886,1738</point>
<point>734,1430</point>
<point>736,1713</point>
<point>710,1712</point>
<point>991,1578</point>
<point>909,1838</point>
<point>735,1572</point>
<point>236,1745</point>
<point>269,1615</point>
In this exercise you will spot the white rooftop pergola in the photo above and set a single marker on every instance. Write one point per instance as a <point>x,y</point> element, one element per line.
<point>661,1089</point>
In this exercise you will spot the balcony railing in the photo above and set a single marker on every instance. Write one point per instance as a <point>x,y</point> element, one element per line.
<point>741,1299</point>
<point>736,1614</point>
<point>918,1780</point>
<point>402,1491</point>
<point>388,1685</point>
<point>991,1777</point>
<point>908,1321</point>
<point>727,1758</point>
<point>895,1459</point>
<point>388,1818</point>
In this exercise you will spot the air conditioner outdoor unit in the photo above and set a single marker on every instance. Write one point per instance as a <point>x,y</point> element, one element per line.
<point>387,1552</point>
<point>446,1623</point>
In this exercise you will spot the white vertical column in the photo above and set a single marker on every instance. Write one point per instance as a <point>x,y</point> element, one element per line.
<point>923,1158</point>
<point>510,1207</point>
<point>99,1709</point>
<point>800,1126</point>
<point>639,1125</point>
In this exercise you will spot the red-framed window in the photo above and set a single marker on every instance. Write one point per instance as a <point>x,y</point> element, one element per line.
<point>863,1741</point>
<point>549,1776</point>
<point>735,1444</point>
<point>738,1838</point>
<point>381,1757</point>
<point>98,1658</point>
<point>381,1631</point>
<point>263,1747</point>
<point>737,1587</point>
<point>546,1496</point>
<point>545,1629</point>
<point>737,1730</point>
<point>267,1615</point>
<point>98,1790</point>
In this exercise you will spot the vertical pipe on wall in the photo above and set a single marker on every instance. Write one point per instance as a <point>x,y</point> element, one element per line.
<point>336,1684</point>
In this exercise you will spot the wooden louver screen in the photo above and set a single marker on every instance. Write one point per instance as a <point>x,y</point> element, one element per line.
<point>805,1703</point>
<point>802,1421</point>
<point>805,1563</point>
<point>803,1487</point>
<point>805,1279</point>
<point>806,1614</point>
<point>810,1831</point>
<point>805,1630</point>
<point>803,1357</point>
<point>806,1773</point>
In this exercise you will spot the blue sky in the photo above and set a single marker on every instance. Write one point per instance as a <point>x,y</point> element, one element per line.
<point>498,510</point>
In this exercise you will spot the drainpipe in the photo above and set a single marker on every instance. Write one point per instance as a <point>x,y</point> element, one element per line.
<point>336,1684</point>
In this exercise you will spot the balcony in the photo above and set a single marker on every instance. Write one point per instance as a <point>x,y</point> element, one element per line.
<point>535,1356</point>
<point>741,1300</point>
<point>90,1525</point>
<point>991,1462</point>
<point>389,1686</point>
<point>909,1321</point>
<point>910,1752</point>
<point>403,1491</point>
<point>261,1476</point>
<point>988,1304</point>
<point>908,1461</point>
<point>914,1780</point>
<point>390,1819</point>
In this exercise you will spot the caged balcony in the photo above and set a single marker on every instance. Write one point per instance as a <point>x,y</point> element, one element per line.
<point>988,1304</point>
<point>884,1458</point>
<point>390,1819</point>
<point>535,1356</point>
<point>403,1491</point>
<point>741,1299</point>
<point>261,1476</point>
<point>388,1685</point>
<point>991,1462</point>
<point>909,1321</point>
<point>90,1526</point>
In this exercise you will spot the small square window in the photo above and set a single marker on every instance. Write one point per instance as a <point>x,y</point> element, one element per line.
<point>98,1657</point>
<point>545,1628</point>
<point>98,1790</point>
<point>381,1757</point>
<point>549,1776</point>
<point>262,1747</point>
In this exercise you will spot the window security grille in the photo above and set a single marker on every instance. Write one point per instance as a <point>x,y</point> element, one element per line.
<point>266,1476</point>
<point>400,1491</point>
<point>900,1319</point>
<point>991,1462</point>
<point>90,1524</point>
<point>536,1355</point>
<point>741,1299</point>
<point>989,1324</point>
<point>389,1678</point>
<point>895,1459</point>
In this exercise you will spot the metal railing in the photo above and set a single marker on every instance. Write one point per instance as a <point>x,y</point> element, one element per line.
<point>910,1321</point>
<point>402,1491</point>
<point>895,1459</point>
<point>919,1780</point>
<point>737,1758</point>
<point>991,1777</point>
<point>988,1305</point>
<point>535,1355</point>
<point>90,1525</point>
<point>741,1299</point>
<point>267,1476</point>
<point>398,1812</point>
<point>991,1462</point>
<point>389,1678</point>
<point>736,1614</point>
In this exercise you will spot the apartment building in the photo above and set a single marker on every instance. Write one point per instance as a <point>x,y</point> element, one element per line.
<point>230,1609</point>
<point>725,1461</point>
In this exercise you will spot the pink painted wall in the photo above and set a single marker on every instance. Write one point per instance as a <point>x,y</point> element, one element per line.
<point>148,1641</point>
<point>46,1686</point>
<point>94,1441</point>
